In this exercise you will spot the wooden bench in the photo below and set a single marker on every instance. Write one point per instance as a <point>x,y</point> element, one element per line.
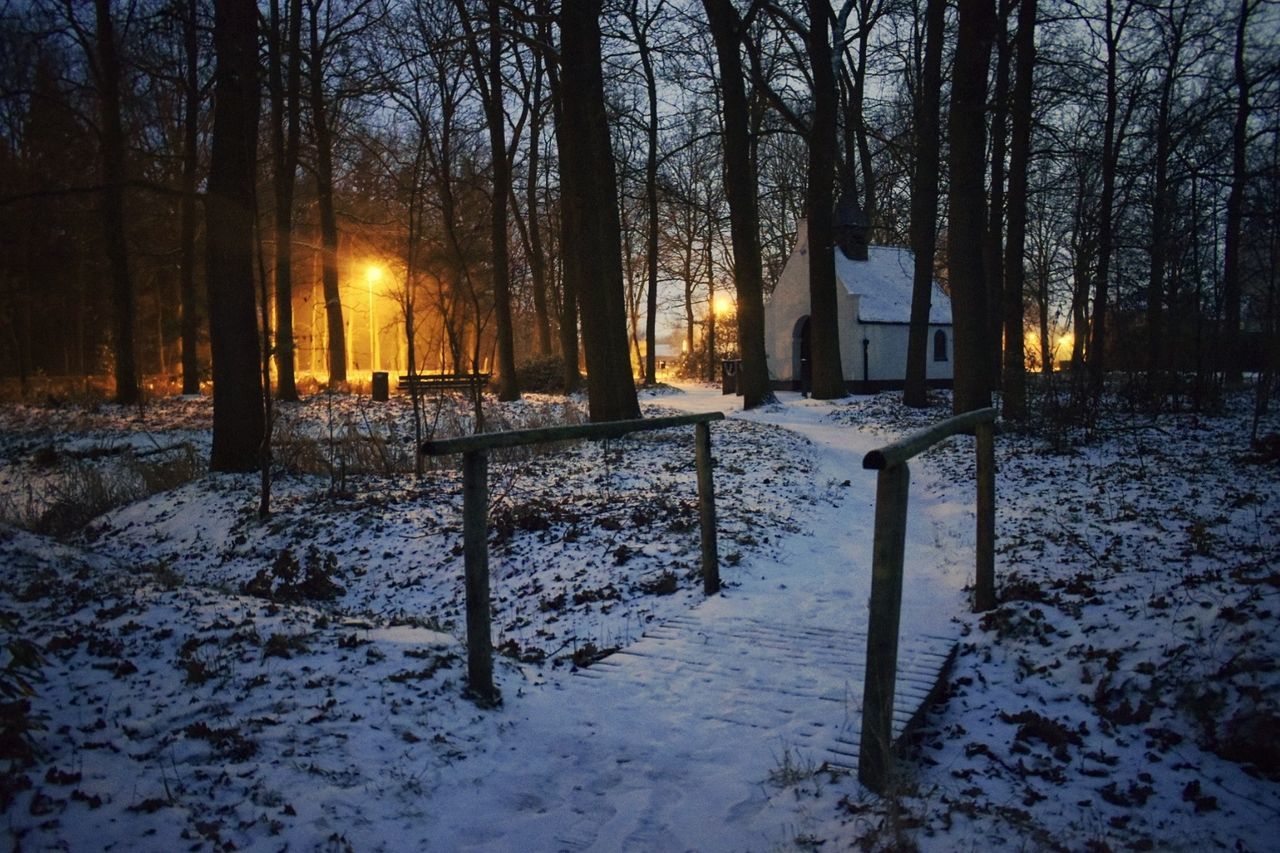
<point>443,381</point>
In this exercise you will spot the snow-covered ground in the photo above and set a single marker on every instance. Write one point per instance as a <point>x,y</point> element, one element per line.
<point>212,681</point>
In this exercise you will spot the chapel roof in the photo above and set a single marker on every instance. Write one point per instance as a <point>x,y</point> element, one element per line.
<point>884,283</point>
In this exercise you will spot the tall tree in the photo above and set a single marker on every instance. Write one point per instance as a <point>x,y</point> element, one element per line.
<point>828,375</point>
<point>857,133</point>
<point>1235,199</point>
<point>238,421</point>
<point>108,73</point>
<point>192,96</point>
<point>967,132</point>
<point>993,238</point>
<point>740,188</point>
<point>569,273</point>
<point>323,139</point>
<point>531,222</point>
<point>924,201</point>
<point>641,27</point>
<point>1020,109</point>
<point>590,210</point>
<point>1114,23</point>
<point>285,46</point>
<point>487,65</point>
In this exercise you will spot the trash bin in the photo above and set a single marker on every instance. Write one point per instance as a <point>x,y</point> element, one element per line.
<point>381,386</point>
<point>730,368</point>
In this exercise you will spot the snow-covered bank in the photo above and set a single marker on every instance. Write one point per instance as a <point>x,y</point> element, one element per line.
<point>1103,705</point>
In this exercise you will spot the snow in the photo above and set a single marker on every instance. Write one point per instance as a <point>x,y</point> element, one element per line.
<point>884,281</point>
<point>1104,704</point>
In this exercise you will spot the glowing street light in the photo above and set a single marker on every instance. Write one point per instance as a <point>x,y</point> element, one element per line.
<point>723,305</point>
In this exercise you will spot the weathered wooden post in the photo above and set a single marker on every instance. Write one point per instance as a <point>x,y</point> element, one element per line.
<point>475,517</point>
<point>875,751</point>
<point>706,508</point>
<point>475,545</point>
<point>984,588</point>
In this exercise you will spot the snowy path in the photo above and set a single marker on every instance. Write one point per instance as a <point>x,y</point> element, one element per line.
<point>671,744</point>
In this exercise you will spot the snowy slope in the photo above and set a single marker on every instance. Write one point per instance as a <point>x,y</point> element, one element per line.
<point>1123,695</point>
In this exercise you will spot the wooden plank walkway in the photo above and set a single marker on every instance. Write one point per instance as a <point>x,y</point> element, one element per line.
<point>802,683</point>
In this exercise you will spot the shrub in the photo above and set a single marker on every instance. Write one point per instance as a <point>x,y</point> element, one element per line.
<point>542,374</point>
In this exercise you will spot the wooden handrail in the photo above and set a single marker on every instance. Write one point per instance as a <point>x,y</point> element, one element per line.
<point>475,517</point>
<point>918,442</point>
<point>546,435</point>
<point>875,751</point>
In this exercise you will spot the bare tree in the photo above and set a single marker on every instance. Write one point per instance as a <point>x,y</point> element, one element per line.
<point>828,376</point>
<point>487,66</point>
<point>339,24</point>
<point>590,202</point>
<point>192,96</point>
<point>975,35</point>
<point>106,66</point>
<point>1231,288</point>
<point>229,210</point>
<point>924,201</point>
<point>1114,23</point>
<point>740,187</point>
<point>285,46</point>
<point>1014,385</point>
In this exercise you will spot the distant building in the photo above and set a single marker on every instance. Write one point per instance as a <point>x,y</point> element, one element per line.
<point>874,305</point>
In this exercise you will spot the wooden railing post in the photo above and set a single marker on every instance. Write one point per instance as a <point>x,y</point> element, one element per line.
<point>475,545</point>
<point>707,509</point>
<point>475,517</point>
<point>875,753</point>
<point>984,590</point>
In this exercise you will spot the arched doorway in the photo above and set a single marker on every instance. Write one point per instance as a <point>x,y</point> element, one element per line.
<point>802,355</point>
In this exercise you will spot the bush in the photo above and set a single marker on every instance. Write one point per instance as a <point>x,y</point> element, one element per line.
<point>290,581</point>
<point>542,374</point>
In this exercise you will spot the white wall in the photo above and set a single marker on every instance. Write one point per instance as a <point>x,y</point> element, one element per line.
<point>789,302</point>
<point>888,342</point>
<point>888,353</point>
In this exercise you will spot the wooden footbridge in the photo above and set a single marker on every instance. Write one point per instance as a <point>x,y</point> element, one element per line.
<point>803,685</point>
<point>846,693</point>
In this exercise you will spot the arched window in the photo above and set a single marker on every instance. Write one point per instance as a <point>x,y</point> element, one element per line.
<point>939,345</point>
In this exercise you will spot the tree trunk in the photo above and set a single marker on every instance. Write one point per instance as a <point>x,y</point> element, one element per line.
<point>233,332</point>
<point>569,273</point>
<point>285,140</point>
<point>828,376</point>
<point>590,199</point>
<point>1042,300</point>
<point>1161,209</point>
<point>1235,203</point>
<point>1106,206</point>
<point>651,209</point>
<point>1015,379</point>
<point>537,252</point>
<point>489,70</point>
<point>324,199</point>
<point>975,34</point>
<point>924,204</point>
<point>993,243</point>
<point>115,240</point>
<point>711,343</point>
<point>740,188</point>
<point>869,200</point>
<point>190,162</point>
